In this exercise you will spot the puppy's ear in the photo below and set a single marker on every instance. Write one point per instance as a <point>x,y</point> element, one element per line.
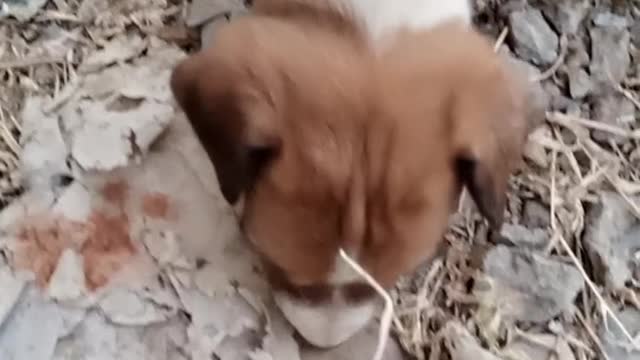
<point>489,133</point>
<point>233,121</point>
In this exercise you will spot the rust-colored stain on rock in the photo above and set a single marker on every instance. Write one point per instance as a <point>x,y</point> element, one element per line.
<point>41,241</point>
<point>107,248</point>
<point>103,241</point>
<point>115,192</point>
<point>156,205</point>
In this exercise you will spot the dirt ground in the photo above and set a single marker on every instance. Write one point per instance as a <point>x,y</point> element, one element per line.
<point>567,290</point>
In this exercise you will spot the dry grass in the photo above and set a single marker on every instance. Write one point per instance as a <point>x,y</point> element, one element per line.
<point>41,57</point>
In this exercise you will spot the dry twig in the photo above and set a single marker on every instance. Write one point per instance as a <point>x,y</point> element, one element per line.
<point>387,314</point>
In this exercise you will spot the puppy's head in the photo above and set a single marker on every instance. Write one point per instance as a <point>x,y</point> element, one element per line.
<point>278,108</point>
<point>329,147</point>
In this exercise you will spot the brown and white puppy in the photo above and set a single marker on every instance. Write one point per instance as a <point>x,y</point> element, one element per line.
<point>332,145</point>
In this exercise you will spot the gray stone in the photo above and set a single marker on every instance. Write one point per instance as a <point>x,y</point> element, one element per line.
<point>535,238</point>
<point>538,346</point>
<point>523,286</point>
<point>608,19</point>
<point>615,109</point>
<point>635,33</point>
<point>579,82</point>
<point>211,27</point>
<point>201,11</point>
<point>609,54</point>
<point>612,236</point>
<point>533,38</point>
<point>566,15</point>
<point>535,215</point>
<point>537,98</point>
<point>577,54</point>
<point>615,344</point>
<point>558,101</point>
<point>22,10</point>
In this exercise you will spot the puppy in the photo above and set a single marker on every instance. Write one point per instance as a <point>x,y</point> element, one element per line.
<point>331,144</point>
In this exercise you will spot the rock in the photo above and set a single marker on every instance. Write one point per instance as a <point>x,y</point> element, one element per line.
<point>635,34</point>
<point>20,9</point>
<point>12,288</point>
<point>164,247</point>
<point>613,339</point>
<point>558,101</point>
<point>128,307</point>
<point>279,343</point>
<point>615,109</point>
<point>534,149</point>
<point>210,28</point>
<point>609,54</point>
<point>566,15</point>
<point>462,345</point>
<point>44,152</point>
<point>538,99</point>
<point>67,282</point>
<point>577,54</point>
<point>579,82</point>
<point>609,19</point>
<point>35,326</point>
<point>96,338</point>
<point>533,38</point>
<point>522,286</point>
<point>538,346</point>
<point>611,239</point>
<point>121,48</point>
<point>200,11</point>
<point>225,326</point>
<point>535,215</point>
<point>535,238</point>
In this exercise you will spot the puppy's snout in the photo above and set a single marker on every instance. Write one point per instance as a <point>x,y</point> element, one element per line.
<point>328,323</point>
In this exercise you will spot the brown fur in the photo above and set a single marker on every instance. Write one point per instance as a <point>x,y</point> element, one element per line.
<point>334,146</point>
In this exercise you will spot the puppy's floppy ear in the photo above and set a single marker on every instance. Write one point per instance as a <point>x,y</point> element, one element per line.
<point>233,121</point>
<point>489,133</point>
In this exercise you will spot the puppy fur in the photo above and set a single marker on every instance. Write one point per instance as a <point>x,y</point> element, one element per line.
<point>333,145</point>
<point>378,19</point>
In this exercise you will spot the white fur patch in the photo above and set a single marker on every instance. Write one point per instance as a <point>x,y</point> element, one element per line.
<point>328,324</point>
<point>383,17</point>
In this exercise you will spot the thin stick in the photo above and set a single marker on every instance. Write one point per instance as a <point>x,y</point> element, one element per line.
<point>556,64</point>
<point>28,62</point>
<point>387,314</point>
<point>501,39</point>
<point>594,289</point>
<point>568,121</point>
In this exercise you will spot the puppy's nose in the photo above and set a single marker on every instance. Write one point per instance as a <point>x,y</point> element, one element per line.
<point>326,324</point>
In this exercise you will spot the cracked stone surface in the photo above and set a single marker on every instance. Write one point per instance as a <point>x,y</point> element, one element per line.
<point>532,36</point>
